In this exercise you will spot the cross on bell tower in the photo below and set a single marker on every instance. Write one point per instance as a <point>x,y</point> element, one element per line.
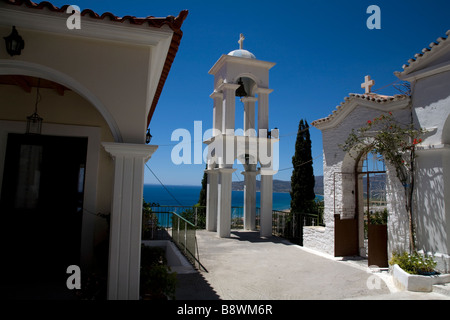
<point>232,71</point>
<point>241,42</point>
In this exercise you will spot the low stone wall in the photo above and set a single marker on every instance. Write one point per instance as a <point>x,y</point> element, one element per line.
<point>418,283</point>
<point>319,238</point>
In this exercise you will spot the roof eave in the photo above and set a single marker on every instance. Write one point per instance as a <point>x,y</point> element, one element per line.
<point>173,49</point>
<point>416,67</point>
<point>135,31</point>
<point>354,100</point>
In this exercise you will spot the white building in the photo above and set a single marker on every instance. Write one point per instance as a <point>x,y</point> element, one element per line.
<point>428,106</point>
<point>96,87</point>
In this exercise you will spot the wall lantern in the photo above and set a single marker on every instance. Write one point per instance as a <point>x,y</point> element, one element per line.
<point>34,122</point>
<point>14,43</point>
<point>148,137</point>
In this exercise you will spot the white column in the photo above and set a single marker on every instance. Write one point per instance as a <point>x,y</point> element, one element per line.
<point>250,197</point>
<point>249,115</point>
<point>126,219</point>
<point>229,106</point>
<point>266,176</point>
<point>211,200</point>
<point>263,109</point>
<point>217,111</point>
<point>266,205</point>
<point>224,202</point>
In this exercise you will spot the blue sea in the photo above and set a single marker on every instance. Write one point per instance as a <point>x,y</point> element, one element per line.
<point>189,195</point>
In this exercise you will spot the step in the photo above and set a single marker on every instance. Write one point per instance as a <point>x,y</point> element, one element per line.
<point>442,289</point>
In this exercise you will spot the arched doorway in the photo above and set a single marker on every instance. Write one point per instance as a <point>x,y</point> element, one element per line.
<point>48,185</point>
<point>372,208</point>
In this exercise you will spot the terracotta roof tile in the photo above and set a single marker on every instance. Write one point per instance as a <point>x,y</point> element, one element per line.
<point>425,52</point>
<point>174,23</point>
<point>381,99</point>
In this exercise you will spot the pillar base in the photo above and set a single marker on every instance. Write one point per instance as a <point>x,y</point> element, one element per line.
<point>224,202</point>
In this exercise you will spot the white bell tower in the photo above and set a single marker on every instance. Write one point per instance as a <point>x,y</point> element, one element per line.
<point>240,74</point>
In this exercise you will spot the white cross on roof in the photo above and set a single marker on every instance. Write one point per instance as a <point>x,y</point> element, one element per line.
<point>367,84</point>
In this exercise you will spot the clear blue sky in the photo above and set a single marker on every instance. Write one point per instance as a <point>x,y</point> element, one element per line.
<point>322,51</point>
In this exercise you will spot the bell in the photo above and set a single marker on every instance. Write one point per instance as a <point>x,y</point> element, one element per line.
<point>240,92</point>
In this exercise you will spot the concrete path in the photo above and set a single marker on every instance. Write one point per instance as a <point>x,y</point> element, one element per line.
<point>247,267</point>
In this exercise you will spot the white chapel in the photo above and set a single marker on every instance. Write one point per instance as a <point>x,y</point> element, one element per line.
<point>347,179</point>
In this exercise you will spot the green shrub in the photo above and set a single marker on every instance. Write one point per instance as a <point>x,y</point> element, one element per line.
<point>413,263</point>
<point>156,282</point>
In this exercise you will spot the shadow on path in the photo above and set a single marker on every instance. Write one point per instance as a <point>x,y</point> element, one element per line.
<point>254,237</point>
<point>193,286</point>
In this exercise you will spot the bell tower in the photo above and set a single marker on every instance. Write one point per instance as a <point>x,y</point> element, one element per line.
<point>240,74</point>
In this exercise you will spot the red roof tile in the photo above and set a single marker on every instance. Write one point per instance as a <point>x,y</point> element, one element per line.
<point>425,53</point>
<point>381,99</point>
<point>174,23</point>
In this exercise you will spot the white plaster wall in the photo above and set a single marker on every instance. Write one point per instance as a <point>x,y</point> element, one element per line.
<point>116,74</point>
<point>432,111</point>
<point>432,222</point>
<point>398,227</point>
<point>431,103</point>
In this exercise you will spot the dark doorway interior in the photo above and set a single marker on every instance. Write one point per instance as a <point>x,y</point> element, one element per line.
<point>41,208</point>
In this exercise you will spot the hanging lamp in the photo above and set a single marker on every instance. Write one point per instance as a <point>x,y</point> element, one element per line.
<point>34,122</point>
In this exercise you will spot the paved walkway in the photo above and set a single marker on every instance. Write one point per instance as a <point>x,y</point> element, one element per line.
<point>247,267</point>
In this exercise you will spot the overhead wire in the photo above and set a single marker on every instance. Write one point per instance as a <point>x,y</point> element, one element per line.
<point>162,184</point>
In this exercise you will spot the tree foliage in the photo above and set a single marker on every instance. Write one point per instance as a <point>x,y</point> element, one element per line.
<point>302,179</point>
<point>202,198</point>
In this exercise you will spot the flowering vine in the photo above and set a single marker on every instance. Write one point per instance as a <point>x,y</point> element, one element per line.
<point>397,143</point>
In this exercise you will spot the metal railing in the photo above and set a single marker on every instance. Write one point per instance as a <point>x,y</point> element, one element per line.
<point>237,218</point>
<point>290,225</point>
<point>197,215</point>
<point>184,236</point>
<point>287,225</point>
<point>312,220</point>
<point>194,214</point>
<point>168,225</point>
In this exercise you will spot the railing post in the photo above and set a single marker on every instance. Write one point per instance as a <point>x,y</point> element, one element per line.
<point>185,237</point>
<point>195,215</point>
<point>178,240</point>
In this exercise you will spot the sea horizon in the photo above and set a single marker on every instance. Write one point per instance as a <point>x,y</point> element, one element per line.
<point>188,195</point>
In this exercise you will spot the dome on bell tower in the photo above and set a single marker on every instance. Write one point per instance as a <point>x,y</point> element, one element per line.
<point>241,52</point>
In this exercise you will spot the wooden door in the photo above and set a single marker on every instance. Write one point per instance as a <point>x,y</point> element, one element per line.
<point>41,207</point>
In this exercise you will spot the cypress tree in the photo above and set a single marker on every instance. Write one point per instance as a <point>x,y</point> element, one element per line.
<point>302,179</point>
<point>202,198</point>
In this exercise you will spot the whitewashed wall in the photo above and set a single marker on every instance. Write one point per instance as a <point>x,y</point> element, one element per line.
<point>431,104</point>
